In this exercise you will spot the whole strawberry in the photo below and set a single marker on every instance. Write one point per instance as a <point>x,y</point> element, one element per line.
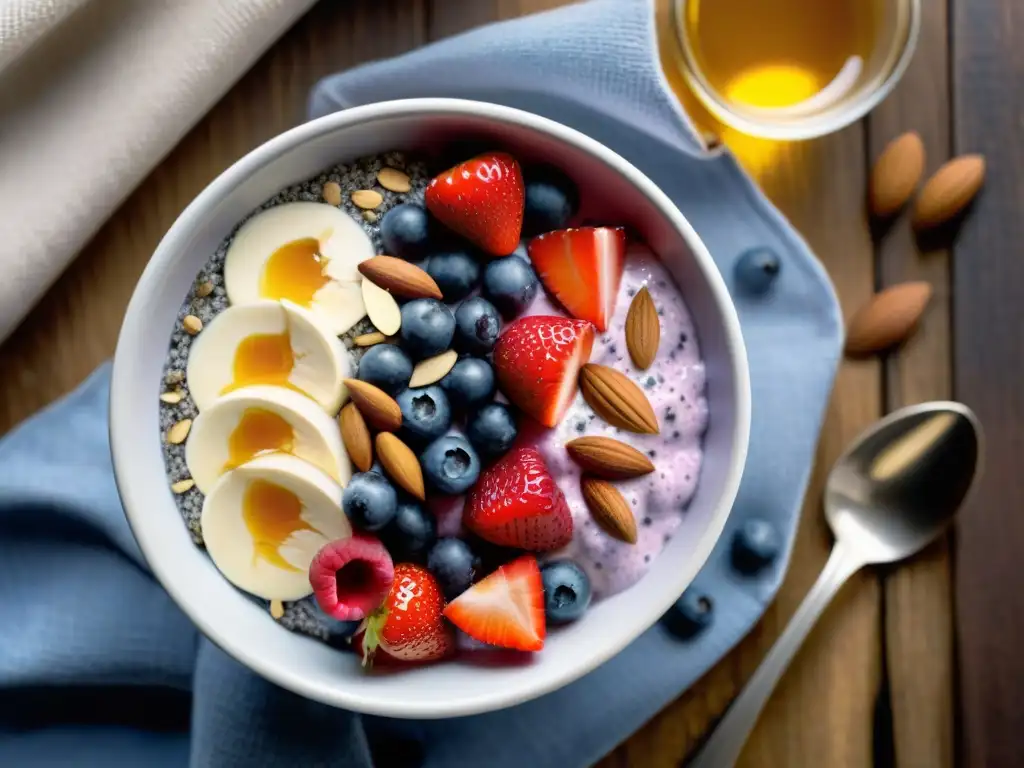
<point>537,359</point>
<point>409,626</point>
<point>516,503</point>
<point>481,199</point>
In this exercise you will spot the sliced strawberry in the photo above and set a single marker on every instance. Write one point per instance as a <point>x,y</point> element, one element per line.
<point>505,609</point>
<point>482,199</point>
<point>409,625</point>
<point>516,503</point>
<point>536,361</point>
<point>582,268</point>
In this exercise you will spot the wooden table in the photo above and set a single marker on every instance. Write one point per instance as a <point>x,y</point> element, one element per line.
<point>891,673</point>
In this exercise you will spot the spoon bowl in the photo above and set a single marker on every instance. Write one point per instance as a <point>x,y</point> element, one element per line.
<point>893,491</point>
<point>900,484</point>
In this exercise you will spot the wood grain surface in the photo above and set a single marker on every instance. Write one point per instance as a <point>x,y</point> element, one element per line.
<point>875,683</point>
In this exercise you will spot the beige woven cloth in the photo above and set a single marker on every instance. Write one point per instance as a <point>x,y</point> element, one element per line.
<point>93,93</point>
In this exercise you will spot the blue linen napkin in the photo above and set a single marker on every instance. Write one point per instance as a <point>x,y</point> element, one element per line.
<point>98,667</point>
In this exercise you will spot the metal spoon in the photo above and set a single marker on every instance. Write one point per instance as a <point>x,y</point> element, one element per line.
<point>893,491</point>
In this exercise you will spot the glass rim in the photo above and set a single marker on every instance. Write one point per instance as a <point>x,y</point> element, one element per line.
<point>814,126</point>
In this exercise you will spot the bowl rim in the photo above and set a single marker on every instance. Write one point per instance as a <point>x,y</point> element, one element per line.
<point>123,432</point>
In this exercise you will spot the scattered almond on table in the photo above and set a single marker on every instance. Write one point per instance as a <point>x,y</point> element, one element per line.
<point>949,191</point>
<point>888,318</point>
<point>896,174</point>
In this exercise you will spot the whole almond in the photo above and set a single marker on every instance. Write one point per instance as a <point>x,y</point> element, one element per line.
<point>896,174</point>
<point>401,464</point>
<point>949,191</point>
<point>643,331</point>
<point>381,308</point>
<point>608,458</point>
<point>367,198</point>
<point>609,508</point>
<point>617,400</point>
<point>394,180</point>
<point>399,277</point>
<point>433,368</point>
<point>888,318</point>
<point>356,437</point>
<point>377,406</point>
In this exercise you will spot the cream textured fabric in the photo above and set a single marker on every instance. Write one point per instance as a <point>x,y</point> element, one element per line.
<point>92,94</point>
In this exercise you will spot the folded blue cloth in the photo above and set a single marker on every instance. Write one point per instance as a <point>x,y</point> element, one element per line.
<point>98,667</point>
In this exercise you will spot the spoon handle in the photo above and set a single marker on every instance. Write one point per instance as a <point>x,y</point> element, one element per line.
<point>724,746</point>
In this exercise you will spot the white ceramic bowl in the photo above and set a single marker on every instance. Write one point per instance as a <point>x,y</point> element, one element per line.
<point>613,188</point>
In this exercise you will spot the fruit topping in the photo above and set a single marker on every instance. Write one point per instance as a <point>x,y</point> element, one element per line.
<point>409,626</point>
<point>339,633</point>
<point>369,501</point>
<point>481,199</point>
<point>537,359</point>
<point>427,328</point>
<point>505,609</point>
<point>566,591</point>
<point>351,577</point>
<point>517,503</point>
<point>405,232</point>
<point>492,430</point>
<point>387,367</point>
<point>511,284</point>
<point>425,413</point>
<point>455,272</point>
<point>450,464</point>
<point>470,383</point>
<point>551,200</point>
<point>454,565</point>
<point>582,268</point>
<point>689,615</point>
<point>477,324</point>
<point>411,533</point>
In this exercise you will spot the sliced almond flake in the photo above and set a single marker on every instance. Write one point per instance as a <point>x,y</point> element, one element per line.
<point>192,324</point>
<point>433,368</point>
<point>276,609</point>
<point>183,485</point>
<point>381,308</point>
<point>369,339</point>
<point>171,398</point>
<point>177,434</point>
<point>332,193</point>
<point>394,180</point>
<point>367,198</point>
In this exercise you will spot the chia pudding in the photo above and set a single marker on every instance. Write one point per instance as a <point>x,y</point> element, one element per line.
<point>456,501</point>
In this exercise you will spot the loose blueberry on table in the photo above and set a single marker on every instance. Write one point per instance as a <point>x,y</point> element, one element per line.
<point>479,392</point>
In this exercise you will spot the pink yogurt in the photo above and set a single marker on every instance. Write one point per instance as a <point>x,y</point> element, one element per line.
<point>674,385</point>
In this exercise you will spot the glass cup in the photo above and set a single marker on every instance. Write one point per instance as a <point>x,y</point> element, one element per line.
<point>793,69</point>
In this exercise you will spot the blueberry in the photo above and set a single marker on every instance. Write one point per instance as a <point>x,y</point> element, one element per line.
<point>755,545</point>
<point>469,383</point>
<point>551,200</point>
<point>522,252</point>
<point>476,326</point>
<point>511,284</point>
<point>369,500</point>
<point>405,231</point>
<point>492,430</point>
<point>454,565</point>
<point>690,614</point>
<point>425,413</point>
<point>455,272</point>
<point>757,269</point>
<point>566,591</point>
<point>450,464</point>
<point>410,533</point>
<point>427,328</point>
<point>386,366</point>
<point>339,633</point>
